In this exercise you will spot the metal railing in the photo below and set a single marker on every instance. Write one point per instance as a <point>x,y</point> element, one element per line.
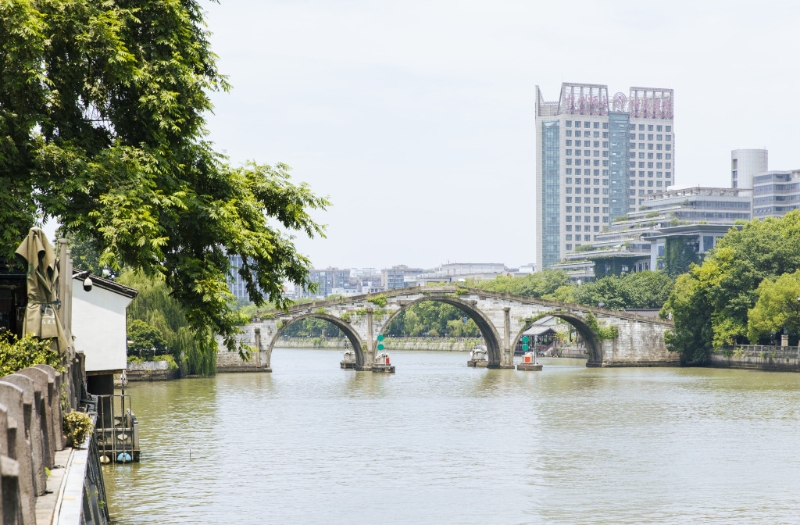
<point>117,430</point>
<point>761,351</point>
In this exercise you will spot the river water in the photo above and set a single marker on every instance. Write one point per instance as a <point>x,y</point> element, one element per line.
<point>443,443</point>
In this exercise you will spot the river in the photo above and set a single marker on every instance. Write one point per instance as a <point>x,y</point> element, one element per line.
<point>443,443</point>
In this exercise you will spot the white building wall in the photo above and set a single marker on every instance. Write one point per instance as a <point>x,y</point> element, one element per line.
<point>100,328</point>
<point>745,163</point>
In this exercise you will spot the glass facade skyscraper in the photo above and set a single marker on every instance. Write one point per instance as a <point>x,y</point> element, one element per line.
<point>597,158</point>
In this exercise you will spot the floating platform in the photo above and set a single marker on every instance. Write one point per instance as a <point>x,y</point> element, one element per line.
<point>383,369</point>
<point>530,367</point>
<point>346,365</point>
<point>477,363</point>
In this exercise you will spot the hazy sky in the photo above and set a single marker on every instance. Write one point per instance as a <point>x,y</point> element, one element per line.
<point>416,118</point>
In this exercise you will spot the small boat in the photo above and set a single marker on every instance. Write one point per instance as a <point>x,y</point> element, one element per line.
<point>529,362</point>
<point>478,357</point>
<point>383,364</point>
<point>348,360</point>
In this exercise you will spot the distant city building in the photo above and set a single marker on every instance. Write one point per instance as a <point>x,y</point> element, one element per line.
<point>398,276</point>
<point>745,164</point>
<point>455,272</point>
<point>327,280</point>
<point>776,193</point>
<point>597,158</point>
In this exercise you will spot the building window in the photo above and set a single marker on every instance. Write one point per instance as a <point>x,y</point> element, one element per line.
<point>569,227</point>
<point>569,123</point>
<point>587,191</point>
<point>569,246</point>
<point>569,209</point>
<point>649,127</point>
<point>605,125</point>
<point>669,137</point>
<point>658,183</point>
<point>596,210</point>
<point>569,190</point>
<point>649,164</point>
<point>577,171</point>
<point>658,146</point>
<point>569,199</point>
<point>569,132</point>
<point>569,171</point>
<point>632,127</point>
<point>641,145</point>
<point>569,152</point>
<point>667,174</point>
<point>569,180</point>
<point>641,136</point>
<point>569,236</point>
<point>668,156</point>
<point>650,146</point>
<point>596,135</point>
<point>650,135</point>
<point>659,166</point>
<point>659,137</point>
<point>596,153</point>
<point>569,218</point>
<point>669,147</point>
<point>668,129</point>
<point>586,124</point>
<point>605,210</point>
<point>650,183</point>
<point>569,162</point>
<point>658,174</point>
<point>587,237</point>
<point>641,183</point>
<point>597,228</point>
<point>569,143</point>
<point>596,125</point>
<point>658,128</point>
<point>669,165</point>
<point>650,174</point>
<point>641,127</point>
<point>605,134</point>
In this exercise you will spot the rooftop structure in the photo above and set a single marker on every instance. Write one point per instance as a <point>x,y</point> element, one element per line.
<point>597,158</point>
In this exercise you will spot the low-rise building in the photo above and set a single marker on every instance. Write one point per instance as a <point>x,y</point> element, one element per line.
<point>776,193</point>
<point>398,276</point>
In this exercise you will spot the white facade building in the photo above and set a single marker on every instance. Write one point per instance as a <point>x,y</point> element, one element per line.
<point>597,158</point>
<point>99,324</point>
<point>745,164</point>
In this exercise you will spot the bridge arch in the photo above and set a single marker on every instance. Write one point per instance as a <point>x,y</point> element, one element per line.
<point>490,335</point>
<point>593,342</point>
<point>352,335</point>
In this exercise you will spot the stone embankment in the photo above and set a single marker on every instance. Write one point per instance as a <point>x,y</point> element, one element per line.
<point>153,371</point>
<point>44,481</point>
<point>758,357</point>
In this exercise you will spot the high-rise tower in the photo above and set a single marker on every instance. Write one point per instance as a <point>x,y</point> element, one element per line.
<point>597,157</point>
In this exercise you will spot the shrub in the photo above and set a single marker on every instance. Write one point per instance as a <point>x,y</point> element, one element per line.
<point>77,426</point>
<point>16,354</point>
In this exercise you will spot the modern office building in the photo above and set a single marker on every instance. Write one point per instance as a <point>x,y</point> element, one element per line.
<point>597,158</point>
<point>776,193</point>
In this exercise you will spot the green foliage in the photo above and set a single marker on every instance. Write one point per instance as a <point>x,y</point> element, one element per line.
<point>537,284</point>
<point>620,218</point>
<point>155,308</point>
<point>651,214</point>
<point>144,339</point>
<point>584,248</point>
<point>678,257</point>
<point>632,290</point>
<point>312,327</point>
<point>432,318</point>
<point>168,359</point>
<point>603,332</point>
<point>102,127</point>
<point>77,425</point>
<point>777,308</point>
<point>27,351</point>
<point>346,317</point>
<point>379,300</point>
<point>711,303</point>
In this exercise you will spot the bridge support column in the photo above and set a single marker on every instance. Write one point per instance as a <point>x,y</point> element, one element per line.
<point>369,344</point>
<point>507,357</point>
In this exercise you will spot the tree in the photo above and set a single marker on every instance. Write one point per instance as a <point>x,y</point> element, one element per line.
<point>536,284</point>
<point>711,303</point>
<point>144,339</point>
<point>102,110</point>
<point>777,309</point>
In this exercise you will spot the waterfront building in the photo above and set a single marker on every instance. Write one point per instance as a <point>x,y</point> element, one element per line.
<point>597,158</point>
<point>634,242</point>
<point>327,279</point>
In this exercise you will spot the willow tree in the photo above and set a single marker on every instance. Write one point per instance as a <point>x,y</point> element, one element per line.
<point>102,110</point>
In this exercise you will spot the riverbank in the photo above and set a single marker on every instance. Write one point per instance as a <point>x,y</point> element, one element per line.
<point>427,344</point>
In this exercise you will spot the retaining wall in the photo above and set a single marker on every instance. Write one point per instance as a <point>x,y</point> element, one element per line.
<point>758,357</point>
<point>152,371</point>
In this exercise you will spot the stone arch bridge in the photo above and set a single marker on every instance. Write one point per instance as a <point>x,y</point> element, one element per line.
<point>501,318</point>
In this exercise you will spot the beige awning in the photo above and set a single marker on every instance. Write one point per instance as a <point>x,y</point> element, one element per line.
<point>42,273</point>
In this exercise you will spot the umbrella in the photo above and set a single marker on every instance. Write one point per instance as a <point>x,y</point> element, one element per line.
<point>42,273</point>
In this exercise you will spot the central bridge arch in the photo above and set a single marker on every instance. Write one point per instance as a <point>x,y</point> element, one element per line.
<point>593,342</point>
<point>494,346</point>
<point>352,335</point>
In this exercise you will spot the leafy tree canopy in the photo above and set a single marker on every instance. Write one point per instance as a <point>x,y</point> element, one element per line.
<point>777,309</point>
<point>102,110</point>
<point>144,339</point>
<point>711,303</point>
<point>536,284</point>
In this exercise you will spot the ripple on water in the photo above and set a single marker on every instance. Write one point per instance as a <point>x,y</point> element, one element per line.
<point>442,443</point>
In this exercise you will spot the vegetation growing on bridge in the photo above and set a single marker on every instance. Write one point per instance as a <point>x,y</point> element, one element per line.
<point>717,303</point>
<point>603,332</point>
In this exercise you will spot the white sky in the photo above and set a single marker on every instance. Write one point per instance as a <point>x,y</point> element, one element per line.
<point>416,118</point>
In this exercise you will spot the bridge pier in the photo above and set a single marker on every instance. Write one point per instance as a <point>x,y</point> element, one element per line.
<point>507,353</point>
<point>369,345</point>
